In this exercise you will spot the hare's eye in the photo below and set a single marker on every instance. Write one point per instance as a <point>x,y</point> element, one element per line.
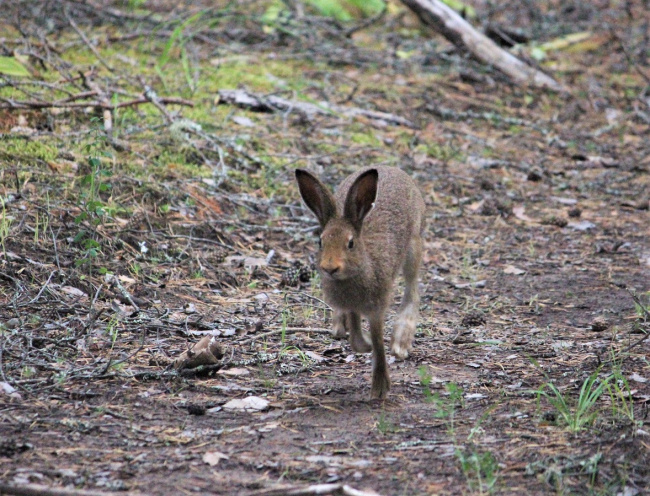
<point>320,243</point>
<point>350,244</point>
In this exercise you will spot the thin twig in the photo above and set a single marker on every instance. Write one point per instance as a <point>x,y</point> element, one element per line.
<point>35,299</point>
<point>86,40</point>
<point>288,330</point>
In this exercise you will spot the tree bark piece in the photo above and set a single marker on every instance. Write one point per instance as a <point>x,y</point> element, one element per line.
<point>459,32</point>
<point>272,103</point>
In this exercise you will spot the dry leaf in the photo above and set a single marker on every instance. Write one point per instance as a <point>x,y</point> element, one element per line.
<point>511,269</point>
<point>637,378</point>
<point>250,403</point>
<point>519,212</point>
<point>234,372</point>
<point>583,225</point>
<point>72,291</point>
<point>205,352</point>
<point>213,458</point>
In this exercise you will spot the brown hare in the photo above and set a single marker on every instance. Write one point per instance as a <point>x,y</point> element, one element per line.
<point>371,228</point>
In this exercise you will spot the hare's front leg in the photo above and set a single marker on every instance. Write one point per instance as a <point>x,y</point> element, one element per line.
<point>358,341</point>
<point>339,323</point>
<point>380,379</point>
<point>349,323</point>
<point>407,318</point>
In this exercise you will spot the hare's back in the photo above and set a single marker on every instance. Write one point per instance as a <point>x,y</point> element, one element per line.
<point>399,207</point>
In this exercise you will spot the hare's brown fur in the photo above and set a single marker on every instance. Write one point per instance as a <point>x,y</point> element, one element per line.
<point>372,229</point>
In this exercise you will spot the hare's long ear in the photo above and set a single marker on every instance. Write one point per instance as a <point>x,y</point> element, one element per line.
<point>316,196</point>
<point>361,197</point>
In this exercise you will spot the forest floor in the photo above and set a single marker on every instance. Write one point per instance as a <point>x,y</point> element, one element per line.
<point>120,249</point>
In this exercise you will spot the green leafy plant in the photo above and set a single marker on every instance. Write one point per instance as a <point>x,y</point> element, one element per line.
<point>579,413</point>
<point>642,306</point>
<point>384,424</point>
<point>291,350</point>
<point>344,10</point>
<point>445,405</point>
<point>619,391</point>
<point>177,38</point>
<point>480,469</point>
<point>11,67</point>
<point>112,330</point>
<point>5,226</point>
<point>93,208</point>
<point>41,224</point>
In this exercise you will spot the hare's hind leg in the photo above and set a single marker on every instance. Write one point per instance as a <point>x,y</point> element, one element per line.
<point>407,317</point>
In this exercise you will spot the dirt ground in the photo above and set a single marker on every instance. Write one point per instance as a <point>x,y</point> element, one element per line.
<point>119,254</point>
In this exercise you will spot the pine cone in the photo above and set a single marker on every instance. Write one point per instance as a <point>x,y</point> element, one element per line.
<point>297,273</point>
<point>473,318</point>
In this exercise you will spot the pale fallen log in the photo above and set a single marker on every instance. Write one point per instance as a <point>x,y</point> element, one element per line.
<point>315,490</point>
<point>272,103</point>
<point>461,33</point>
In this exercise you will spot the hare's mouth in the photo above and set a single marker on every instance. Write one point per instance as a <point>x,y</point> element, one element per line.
<point>336,276</point>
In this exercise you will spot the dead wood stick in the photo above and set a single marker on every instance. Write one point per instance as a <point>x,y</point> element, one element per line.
<point>40,490</point>
<point>114,281</point>
<point>315,489</point>
<point>288,330</point>
<point>272,103</point>
<point>87,42</point>
<point>461,33</point>
<point>107,112</point>
<point>152,97</point>
<point>32,104</point>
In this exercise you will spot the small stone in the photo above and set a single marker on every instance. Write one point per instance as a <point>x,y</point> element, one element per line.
<point>492,206</point>
<point>554,220</point>
<point>575,212</point>
<point>194,409</point>
<point>485,184</point>
<point>12,323</point>
<point>535,175</point>
<point>599,324</point>
<point>549,417</point>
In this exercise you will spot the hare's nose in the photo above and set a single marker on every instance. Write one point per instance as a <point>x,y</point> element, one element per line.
<point>330,266</point>
<point>331,270</point>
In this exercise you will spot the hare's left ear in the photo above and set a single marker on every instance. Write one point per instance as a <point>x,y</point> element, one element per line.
<point>361,198</point>
<point>316,196</point>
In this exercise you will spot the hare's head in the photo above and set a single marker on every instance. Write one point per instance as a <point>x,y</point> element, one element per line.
<point>342,249</point>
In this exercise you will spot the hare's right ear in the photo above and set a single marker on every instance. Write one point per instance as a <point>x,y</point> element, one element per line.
<point>361,198</point>
<point>316,196</point>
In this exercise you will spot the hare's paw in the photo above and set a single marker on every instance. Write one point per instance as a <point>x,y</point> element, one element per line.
<point>402,340</point>
<point>339,324</point>
<point>380,385</point>
<point>359,343</point>
<point>400,351</point>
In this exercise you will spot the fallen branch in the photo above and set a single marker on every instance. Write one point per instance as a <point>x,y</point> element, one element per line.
<point>461,33</point>
<point>273,103</point>
<point>339,489</point>
<point>67,103</point>
<point>40,490</point>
